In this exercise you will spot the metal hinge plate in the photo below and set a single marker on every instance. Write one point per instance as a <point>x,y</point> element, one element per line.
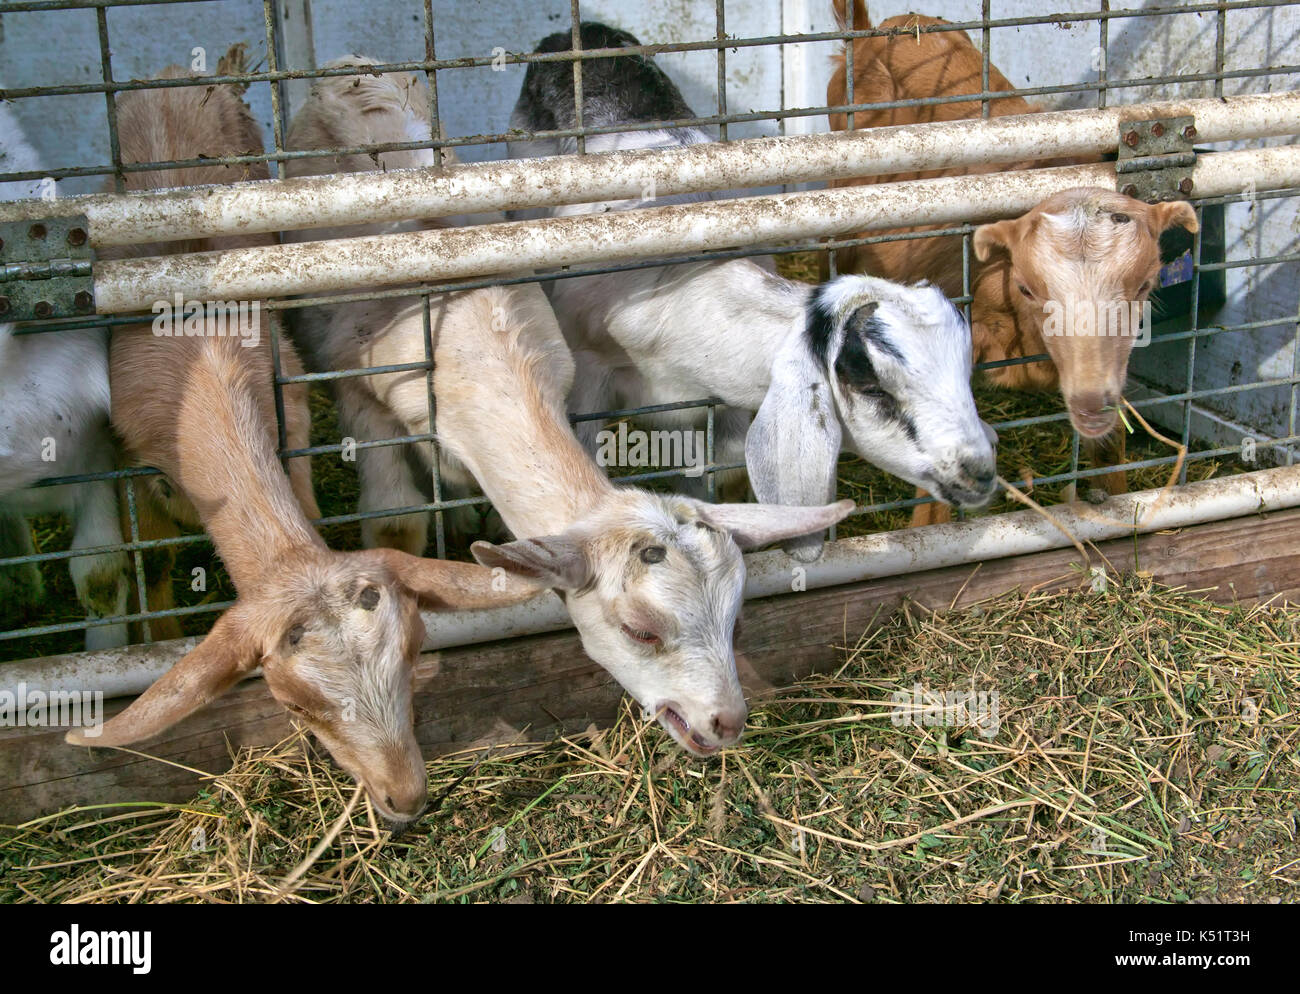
<point>1156,158</point>
<point>45,269</point>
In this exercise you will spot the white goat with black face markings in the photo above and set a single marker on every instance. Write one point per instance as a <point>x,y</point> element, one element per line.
<point>877,368</point>
<point>54,422</point>
<point>653,582</point>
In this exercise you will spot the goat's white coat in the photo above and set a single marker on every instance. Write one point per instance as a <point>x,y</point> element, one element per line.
<point>54,394</point>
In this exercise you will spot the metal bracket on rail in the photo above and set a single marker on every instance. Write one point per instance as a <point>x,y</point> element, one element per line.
<point>45,269</point>
<point>1156,158</point>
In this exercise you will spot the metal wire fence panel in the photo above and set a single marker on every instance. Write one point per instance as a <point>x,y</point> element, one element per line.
<point>1220,376</point>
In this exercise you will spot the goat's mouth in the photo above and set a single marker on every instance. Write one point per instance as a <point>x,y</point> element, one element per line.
<point>396,821</point>
<point>969,494</point>
<point>1094,425</point>
<point>680,729</point>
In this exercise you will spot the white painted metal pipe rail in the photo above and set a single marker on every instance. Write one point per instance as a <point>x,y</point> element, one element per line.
<point>127,671</point>
<point>128,285</point>
<point>373,197</point>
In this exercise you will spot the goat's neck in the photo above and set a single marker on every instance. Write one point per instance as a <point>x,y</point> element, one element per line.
<point>540,480</point>
<point>736,316</point>
<point>508,425</point>
<point>226,464</point>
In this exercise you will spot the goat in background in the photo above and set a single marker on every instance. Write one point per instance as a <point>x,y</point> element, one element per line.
<point>1086,244</point>
<point>54,411</point>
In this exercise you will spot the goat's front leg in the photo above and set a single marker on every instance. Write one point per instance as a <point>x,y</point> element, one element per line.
<point>933,513</point>
<point>1109,451</point>
<point>593,390</point>
<point>21,587</point>
<point>102,581</point>
<point>730,425</point>
<point>385,476</point>
<point>153,522</point>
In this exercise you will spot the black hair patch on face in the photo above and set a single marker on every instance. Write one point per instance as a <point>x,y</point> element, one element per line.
<point>619,90</point>
<point>853,365</point>
<point>857,374</point>
<point>864,323</point>
<point>820,328</point>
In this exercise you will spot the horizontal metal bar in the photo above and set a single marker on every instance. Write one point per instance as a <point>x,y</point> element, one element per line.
<point>129,670</point>
<point>623,128</point>
<point>373,197</point>
<point>693,122</point>
<point>1144,163</point>
<point>128,285</point>
<point>74,626</point>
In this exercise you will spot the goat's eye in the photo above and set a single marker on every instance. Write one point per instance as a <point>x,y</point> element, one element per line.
<point>1025,290</point>
<point>369,599</point>
<point>653,554</point>
<point>638,635</point>
<point>299,710</point>
<point>1120,218</point>
<point>1145,287</point>
<point>296,633</point>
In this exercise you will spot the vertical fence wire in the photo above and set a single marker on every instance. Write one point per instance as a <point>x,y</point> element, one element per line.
<point>576,16</point>
<point>1190,384</point>
<point>110,98</point>
<point>720,32</point>
<point>1103,52</point>
<point>985,59</point>
<point>431,77</point>
<point>435,472</point>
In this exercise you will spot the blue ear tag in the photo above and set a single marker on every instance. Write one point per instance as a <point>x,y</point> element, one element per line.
<point>1176,271</point>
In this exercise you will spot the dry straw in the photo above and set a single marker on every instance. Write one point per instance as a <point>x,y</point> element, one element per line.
<point>1147,748</point>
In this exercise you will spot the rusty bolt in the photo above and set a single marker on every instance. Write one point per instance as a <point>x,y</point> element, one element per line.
<point>1186,185</point>
<point>1131,139</point>
<point>36,231</point>
<point>77,236</point>
<point>1157,129</point>
<point>1130,190</point>
<point>84,300</point>
<point>4,305</point>
<point>1189,132</point>
<point>42,309</point>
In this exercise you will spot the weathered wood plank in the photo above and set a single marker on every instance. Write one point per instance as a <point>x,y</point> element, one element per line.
<point>537,686</point>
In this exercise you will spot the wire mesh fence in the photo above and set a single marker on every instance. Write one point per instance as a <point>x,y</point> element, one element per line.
<point>1220,376</point>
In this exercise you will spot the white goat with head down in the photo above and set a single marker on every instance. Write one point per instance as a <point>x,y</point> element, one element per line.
<point>653,582</point>
<point>878,368</point>
<point>54,422</point>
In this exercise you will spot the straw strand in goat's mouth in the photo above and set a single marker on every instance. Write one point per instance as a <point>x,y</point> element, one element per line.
<point>1087,512</point>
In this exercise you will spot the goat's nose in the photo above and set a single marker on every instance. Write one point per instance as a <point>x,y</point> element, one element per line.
<point>728,723</point>
<point>982,474</point>
<point>406,801</point>
<point>1089,403</point>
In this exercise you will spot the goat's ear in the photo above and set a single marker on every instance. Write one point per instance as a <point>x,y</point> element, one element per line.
<point>999,234</point>
<point>1169,213</point>
<point>794,441</point>
<point>440,585</point>
<point>205,673</point>
<point>756,525</point>
<point>558,561</point>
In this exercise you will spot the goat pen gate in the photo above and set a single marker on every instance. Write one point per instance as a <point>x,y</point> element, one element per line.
<point>1221,375</point>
